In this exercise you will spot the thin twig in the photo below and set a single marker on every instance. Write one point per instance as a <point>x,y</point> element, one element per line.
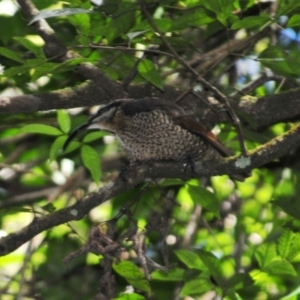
<point>155,265</point>
<point>127,49</point>
<point>235,119</point>
<point>226,69</point>
<point>22,280</point>
<point>282,82</point>
<point>207,103</point>
<point>184,93</point>
<point>251,86</point>
<point>139,242</point>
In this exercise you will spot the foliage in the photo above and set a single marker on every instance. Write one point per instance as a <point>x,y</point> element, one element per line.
<point>237,240</point>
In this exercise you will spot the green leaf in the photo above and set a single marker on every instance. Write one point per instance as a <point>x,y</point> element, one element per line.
<point>107,7</point>
<point>293,295</point>
<point>35,62</point>
<point>91,160</point>
<point>290,205</point>
<point>81,22</point>
<point>72,146</point>
<point>59,12</point>
<point>276,59</point>
<point>11,55</point>
<point>249,22</point>
<point>212,264</point>
<point>45,68</point>
<point>285,243</point>
<point>132,35</point>
<point>239,281</point>
<point>294,21</point>
<point>15,71</point>
<point>205,198</point>
<point>232,295</point>
<point>295,248</point>
<point>49,207</point>
<point>246,4</point>
<point>175,274</point>
<point>280,267</point>
<point>92,136</point>
<point>42,69</point>
<point>213,28</point>
<point>190,259</point>
<point>193,17</point>
<point>164,25</point>
<point>265,254</point>
<point>69,64</point>
<point>147,69</point>
<point>41,128</point>
<point>131,296</point>
<point>289,245</point>
<point>256,136</point>
<point>64,121</point>
<point>286,7</point>
<point>40,66</point>
<point>121,24</point>
<point>222,8</point>
<point>57,147</point>
<point>132,274</point>
<point>196,286</point>
<point>36,50</point>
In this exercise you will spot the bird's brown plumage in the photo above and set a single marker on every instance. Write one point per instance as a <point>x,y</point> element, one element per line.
<point>153,129</point>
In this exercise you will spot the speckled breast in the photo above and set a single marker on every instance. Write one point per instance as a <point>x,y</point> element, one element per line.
<point>153,136</point>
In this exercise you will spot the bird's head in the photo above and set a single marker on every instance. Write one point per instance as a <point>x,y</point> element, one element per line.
<point>104,119</point>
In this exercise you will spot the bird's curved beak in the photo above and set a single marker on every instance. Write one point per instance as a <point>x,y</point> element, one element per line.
<point>95,122</point>
<point>72,135</point>
<point>88,125</point>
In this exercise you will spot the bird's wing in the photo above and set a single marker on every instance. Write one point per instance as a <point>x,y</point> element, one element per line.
<point>179,117</point>
<point>198,129</point>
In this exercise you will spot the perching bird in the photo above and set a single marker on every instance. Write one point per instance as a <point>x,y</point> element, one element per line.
<point>153,129</point>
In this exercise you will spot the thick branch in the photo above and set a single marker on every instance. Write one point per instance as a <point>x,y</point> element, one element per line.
<point>87,94</point>
<point>275,148</point>
<point>264,111</point>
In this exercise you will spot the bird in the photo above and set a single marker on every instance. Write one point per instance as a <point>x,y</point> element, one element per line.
<point>153,129</point>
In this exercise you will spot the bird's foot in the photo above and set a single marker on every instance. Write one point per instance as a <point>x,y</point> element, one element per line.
<point>128,167</point>
<point>189,165</point>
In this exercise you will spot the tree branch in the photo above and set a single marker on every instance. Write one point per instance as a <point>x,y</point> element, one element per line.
<point>277,147</point>
<point>264,111</point>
